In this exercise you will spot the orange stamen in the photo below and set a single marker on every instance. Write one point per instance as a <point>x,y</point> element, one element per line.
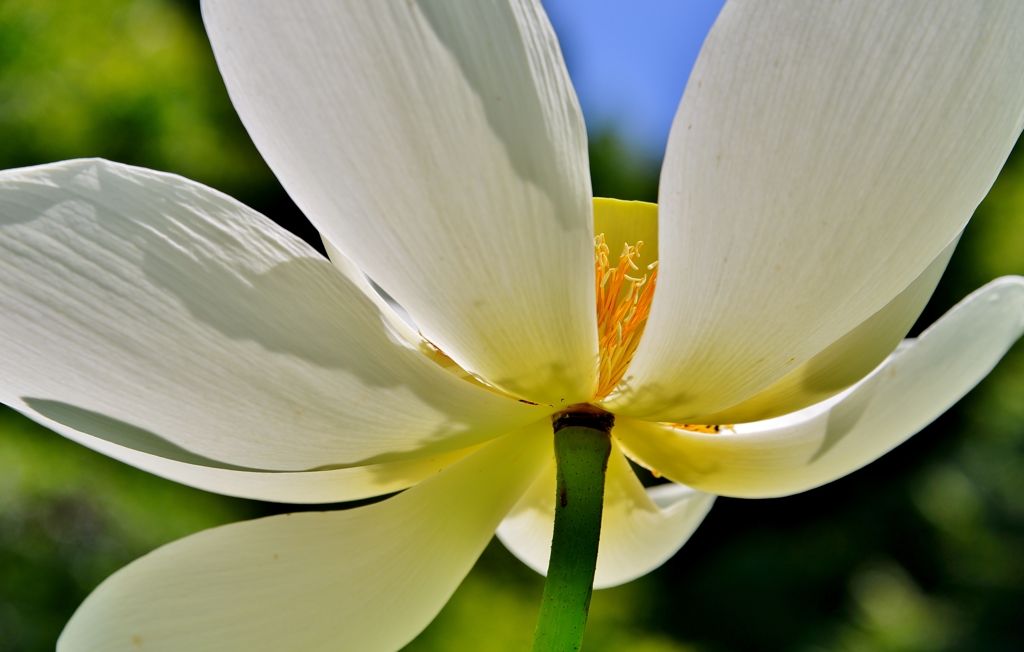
<point>623,304</point>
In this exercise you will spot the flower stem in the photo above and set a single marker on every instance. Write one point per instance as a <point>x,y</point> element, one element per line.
<point>582,446</point>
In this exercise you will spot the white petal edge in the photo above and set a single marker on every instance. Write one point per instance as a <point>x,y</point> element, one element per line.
<point>441,147</point>
<point>822,443</point>
<point>163,316</point>
<point>823,154</point>
<point>401,321</point>
<point>369,578</point>
<point>847,360</point>
<point>295,487</point>
<point>640,529</point>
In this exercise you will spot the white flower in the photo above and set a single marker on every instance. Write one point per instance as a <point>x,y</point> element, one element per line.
<point>824,159</point>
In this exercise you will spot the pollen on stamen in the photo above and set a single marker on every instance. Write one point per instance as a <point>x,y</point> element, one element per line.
<point>623,304</point>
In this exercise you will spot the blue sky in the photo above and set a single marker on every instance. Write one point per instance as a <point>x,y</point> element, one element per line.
<point>630,59</point>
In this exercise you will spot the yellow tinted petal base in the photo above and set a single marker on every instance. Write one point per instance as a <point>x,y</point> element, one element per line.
<point>624,292</point>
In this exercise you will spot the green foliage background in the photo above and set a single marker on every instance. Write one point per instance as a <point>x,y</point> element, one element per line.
<point>920,551</point>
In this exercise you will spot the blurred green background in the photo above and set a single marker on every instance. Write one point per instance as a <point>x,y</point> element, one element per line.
<point>922,550</point>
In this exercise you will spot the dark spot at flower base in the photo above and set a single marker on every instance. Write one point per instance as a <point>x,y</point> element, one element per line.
<point>595,419</point>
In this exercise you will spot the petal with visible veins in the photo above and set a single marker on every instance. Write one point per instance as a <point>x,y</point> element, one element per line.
<point>441,147</point>
<point>822,156</point>
<point>152,312</point>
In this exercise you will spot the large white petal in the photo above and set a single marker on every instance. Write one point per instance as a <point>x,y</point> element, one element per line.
<point>441,147</point>
<point>363,579</point>
<point>162,316</point>
<point>823,154</point>
<point>640,530</point>
<point>827,441</point>
<point>850,358</point>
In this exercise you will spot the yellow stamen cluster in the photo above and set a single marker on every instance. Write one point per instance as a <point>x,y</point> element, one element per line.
<point>623,304</point>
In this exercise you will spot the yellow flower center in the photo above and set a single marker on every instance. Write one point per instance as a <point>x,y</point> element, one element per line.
<point>624,295</point>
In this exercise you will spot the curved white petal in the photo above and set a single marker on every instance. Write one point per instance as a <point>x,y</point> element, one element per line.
<point>400,319</point>
<point>850,358</point>
<point>327,485</point>
<point>822,156</point>
<point>363,579</point>
<point>396,314</point>
<point>162,316</point>
<point>441,147</point>
<point>824,442</point>
<point>640,530</point>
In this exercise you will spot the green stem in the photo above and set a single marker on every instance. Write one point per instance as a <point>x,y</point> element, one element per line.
<point>582,446</point>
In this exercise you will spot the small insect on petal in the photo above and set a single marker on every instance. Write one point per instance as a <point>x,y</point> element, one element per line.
<point>711,429</point>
